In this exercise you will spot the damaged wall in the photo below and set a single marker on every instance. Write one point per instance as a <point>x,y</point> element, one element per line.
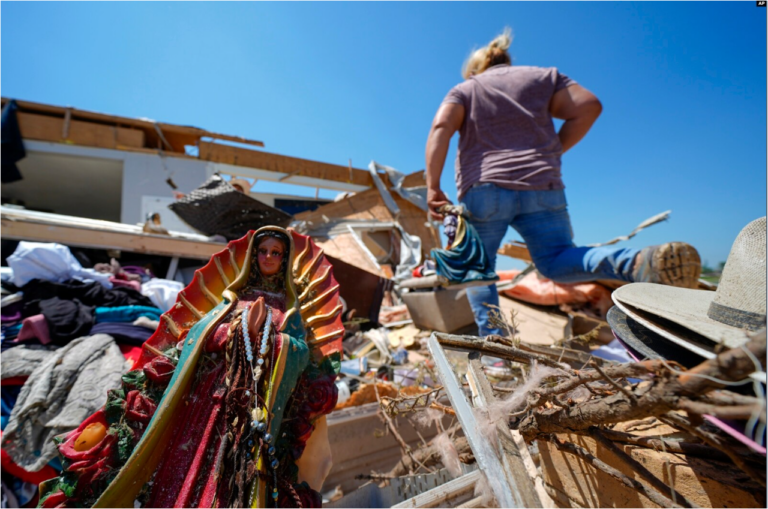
<point>368,205</point>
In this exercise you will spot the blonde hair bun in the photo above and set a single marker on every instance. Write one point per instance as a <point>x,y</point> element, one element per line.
<point>502,41</point>
<point>494,53</point>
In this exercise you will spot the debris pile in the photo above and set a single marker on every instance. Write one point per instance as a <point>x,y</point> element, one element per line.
<point>658,414</point>
<point>594,394</point>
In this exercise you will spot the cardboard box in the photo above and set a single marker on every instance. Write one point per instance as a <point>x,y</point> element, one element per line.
<point>441,310</point>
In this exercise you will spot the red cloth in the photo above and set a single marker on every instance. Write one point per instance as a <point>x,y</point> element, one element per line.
<point>131,353</point>
<point>15,380</point>
<point>47,472</point>
<point>198,431</point>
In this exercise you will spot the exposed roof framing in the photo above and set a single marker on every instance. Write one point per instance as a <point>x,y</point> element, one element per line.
<point>59,124</point>
<point>157,135</point>
<point>290,166</point>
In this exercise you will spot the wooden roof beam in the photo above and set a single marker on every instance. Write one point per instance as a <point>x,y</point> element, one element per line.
<point>290,167</point>
<point>177,134</point>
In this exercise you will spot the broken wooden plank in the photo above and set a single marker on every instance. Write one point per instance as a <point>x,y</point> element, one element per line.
<point>369,205</point>
<point>178,135</point>
<point>287,165</point>
<point>475,502</point>
<point>517,461</point>
<point>440,496</point>
<point>507,495</point>
<point>516,250</point>
<point>77,132</point>
<point>91,233</point>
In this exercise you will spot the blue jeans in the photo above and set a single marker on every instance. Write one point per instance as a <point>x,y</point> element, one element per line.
<point>541,218</point>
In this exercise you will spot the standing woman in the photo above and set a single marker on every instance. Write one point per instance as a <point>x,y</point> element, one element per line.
<point>508,174</point>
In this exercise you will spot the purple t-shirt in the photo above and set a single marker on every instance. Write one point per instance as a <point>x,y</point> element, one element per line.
<point>508,137</point>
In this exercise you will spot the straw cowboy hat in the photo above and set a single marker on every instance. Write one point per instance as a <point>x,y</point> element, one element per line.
<point>700,319</point>
<point>642,343</point>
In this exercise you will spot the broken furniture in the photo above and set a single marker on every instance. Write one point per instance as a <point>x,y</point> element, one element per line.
<point>506,464</point>
<point>442,309</point>
<point>218,208</point>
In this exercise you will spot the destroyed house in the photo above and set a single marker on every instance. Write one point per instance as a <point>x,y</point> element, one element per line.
<point>90,180</point>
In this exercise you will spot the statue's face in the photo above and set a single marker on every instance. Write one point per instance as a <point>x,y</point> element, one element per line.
<point>270,256</point>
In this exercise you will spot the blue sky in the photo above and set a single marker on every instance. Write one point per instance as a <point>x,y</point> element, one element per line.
<point>683,86</point>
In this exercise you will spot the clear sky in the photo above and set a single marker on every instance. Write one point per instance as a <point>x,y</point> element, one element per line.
<point>683,87</point>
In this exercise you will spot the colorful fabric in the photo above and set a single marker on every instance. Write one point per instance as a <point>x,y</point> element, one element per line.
<point>123,333</point>
<point>162,292</point>
<point>33,477</point>
<point>8,396</point>
<point>49,262</point>
<point>466,260</point>
<point>125,313</point>
<point>65,388</point>
<point>90,294</point>
<point>34,327</point>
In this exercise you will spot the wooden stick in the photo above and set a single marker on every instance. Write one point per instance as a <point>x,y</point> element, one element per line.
<point>640,469</point>
<point>615,384</point>
<point>508,352</point>
<point>723,412</point>
<point>653,495</point>
<point>686,448</point>
<point>396,434</point>
<point>714,441</point>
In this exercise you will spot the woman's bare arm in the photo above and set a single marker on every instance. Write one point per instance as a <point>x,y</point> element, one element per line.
<point>447,121</point>
<point>579,108</point>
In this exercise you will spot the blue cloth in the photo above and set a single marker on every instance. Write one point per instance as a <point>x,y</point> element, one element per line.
<point>465,261</point>
<point>7,335</point>
<point>8,396</point>
<point>123,333</point>
<point>541,218</point>
<point>123,314</point>
<point>11,331</point>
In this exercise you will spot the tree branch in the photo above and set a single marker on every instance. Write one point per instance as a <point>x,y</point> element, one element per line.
<point>723,412</point>
<point>498,350</point>
<point>653,495</point>
<point>637,467</point>
<point>716,442</point>
<point>655,399</point>
<point>686,448</point>
<point>391,425</point>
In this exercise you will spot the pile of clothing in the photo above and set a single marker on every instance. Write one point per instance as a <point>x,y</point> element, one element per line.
<point>68,334</point>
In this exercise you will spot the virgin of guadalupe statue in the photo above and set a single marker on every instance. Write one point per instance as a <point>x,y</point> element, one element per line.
<point>227,404</point>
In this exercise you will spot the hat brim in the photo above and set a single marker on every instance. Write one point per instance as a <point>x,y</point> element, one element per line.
<point>679,335</point>
<point>643,343</point>
<point>682,306</point>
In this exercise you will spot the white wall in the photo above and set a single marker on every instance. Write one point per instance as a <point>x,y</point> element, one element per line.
<point>144,178</point>
<point>70,185</point>
<point>142,175</point>
<point>146,174</point>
